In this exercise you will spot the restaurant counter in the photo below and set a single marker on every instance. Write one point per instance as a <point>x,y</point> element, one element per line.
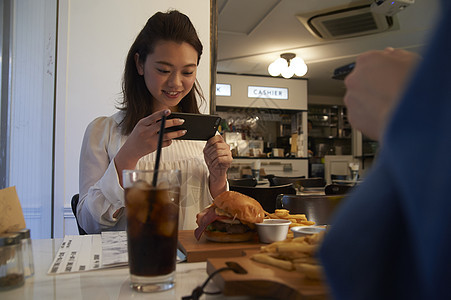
<point>279,166</point>
<point>110,283</point>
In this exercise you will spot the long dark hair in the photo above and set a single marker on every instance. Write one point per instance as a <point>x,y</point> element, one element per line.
<point>137,100</point>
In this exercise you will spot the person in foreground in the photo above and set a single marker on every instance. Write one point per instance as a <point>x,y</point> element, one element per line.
<point>159,78</point>
<point>391,239</point>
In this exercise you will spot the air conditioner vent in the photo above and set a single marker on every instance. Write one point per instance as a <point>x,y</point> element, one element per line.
<point>346,23</point>
<point>351,25</point>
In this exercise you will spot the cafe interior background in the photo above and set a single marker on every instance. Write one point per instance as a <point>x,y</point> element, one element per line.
<point>62,63</point>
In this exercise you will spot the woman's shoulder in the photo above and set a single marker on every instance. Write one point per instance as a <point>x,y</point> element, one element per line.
<point>103,124</point>
<point>108,120</point>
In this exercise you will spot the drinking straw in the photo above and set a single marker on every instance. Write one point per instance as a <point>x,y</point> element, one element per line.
<point>157,160</point>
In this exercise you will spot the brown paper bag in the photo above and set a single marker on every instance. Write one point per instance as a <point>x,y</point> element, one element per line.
<point>11,215</point>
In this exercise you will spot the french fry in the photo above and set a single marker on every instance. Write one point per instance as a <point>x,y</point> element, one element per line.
<point>294,254</point>
<point>299,216</point>
<point>274,216</point>
<point>282,212</point>
<point>296,247</point>
<point>300,239</point>
<point>296,219</point>
<point>307,223</point>
<point>269,260</point>
<point>314,272</point>
<point>305,260</point>
<point>272,247</point>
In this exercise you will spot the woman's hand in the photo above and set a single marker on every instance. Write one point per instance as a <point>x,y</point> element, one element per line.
<point>375,86</point>
<point>144,140</point>
<point>218,157</point>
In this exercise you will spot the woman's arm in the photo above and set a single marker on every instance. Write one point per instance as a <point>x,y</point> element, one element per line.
<point>218,157</point>
<point>100,192</point>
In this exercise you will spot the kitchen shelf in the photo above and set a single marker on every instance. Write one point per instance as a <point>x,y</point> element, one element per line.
<point>331,132</point>
<point>330,137</point>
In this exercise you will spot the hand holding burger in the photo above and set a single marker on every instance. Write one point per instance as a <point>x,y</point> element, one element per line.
<point>230,218</point>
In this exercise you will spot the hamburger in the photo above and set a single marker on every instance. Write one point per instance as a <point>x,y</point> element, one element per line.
<point>230,218</point>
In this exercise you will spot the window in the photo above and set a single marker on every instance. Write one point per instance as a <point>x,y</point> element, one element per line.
<point>27,101</point>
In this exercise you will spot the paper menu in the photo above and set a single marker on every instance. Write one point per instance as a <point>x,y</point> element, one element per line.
<point>79,253</point>
<point>114,248</point>
<point>76,254</point>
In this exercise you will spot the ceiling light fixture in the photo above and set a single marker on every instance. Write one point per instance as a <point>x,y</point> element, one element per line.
<point>288,65</point>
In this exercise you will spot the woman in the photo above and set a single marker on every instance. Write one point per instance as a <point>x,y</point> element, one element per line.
<point>159,78</point>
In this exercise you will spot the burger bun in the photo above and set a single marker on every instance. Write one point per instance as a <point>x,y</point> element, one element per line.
<point>240,206</point>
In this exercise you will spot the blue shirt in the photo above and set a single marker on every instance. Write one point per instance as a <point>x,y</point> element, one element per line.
<point>391,239</point>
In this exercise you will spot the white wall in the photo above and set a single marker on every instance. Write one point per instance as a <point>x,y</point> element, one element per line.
<point>93,40</point>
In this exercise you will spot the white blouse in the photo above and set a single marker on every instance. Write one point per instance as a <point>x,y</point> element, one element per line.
<point>101,195</point>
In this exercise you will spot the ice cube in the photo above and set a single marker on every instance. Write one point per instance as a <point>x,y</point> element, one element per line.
<point>137,201</point>
<point>167,215</point>
<point>142,184</point>
<point>162,196</point>
<point>162,185</point>
<point>167,228</point>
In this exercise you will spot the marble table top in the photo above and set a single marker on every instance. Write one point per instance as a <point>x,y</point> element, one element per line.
<point>101,284</point>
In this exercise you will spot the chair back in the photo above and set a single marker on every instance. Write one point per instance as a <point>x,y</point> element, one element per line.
<point>337,189</point>
<point>339,177</point>
<point>317,208</point>
<point>281,180</point>
<point>266,196</point>
<point>243,182</point>
<point>74,204</point>
<point>312,182</point>
<point>298,182</point>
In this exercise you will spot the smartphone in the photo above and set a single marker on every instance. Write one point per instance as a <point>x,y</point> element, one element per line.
<point>340,73</point>
<point>198,126</point>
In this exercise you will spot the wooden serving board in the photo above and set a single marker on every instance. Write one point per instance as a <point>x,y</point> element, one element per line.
<point>264,281</point>
<point>196,251</point>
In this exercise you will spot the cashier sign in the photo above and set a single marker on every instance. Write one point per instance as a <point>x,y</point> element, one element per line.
<point>267,92</point>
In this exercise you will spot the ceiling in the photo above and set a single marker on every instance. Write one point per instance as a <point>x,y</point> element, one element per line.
<point>253,33</point>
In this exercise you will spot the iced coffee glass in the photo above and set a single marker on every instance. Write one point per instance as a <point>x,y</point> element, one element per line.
<point>152,212</point>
